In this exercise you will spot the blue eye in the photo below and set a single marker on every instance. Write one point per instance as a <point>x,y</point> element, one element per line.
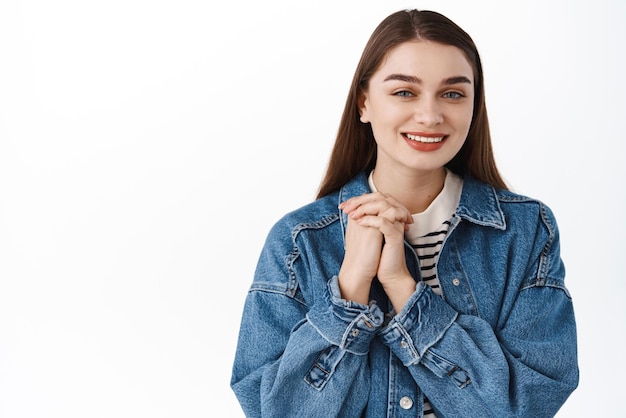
<point>403,93</point>
<point>452,95</point>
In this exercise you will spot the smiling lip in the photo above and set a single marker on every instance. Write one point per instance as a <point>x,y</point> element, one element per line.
<point>423,141</point>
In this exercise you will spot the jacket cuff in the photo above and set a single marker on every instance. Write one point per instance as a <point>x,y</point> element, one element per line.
<point>421,323</point>
<point>349,325</point>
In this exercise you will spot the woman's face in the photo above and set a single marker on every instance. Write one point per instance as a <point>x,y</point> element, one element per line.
<point>419,104</point>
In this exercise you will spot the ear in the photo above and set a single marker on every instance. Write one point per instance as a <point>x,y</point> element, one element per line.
<point>363,107</point>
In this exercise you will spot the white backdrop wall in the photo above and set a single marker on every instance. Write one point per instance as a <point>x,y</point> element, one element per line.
<point>146,148</point>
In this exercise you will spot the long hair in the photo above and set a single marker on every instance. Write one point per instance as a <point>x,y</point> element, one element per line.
<point>355,149</point>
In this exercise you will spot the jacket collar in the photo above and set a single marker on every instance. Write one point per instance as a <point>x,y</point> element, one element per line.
<point>479,201</point>
<point>480,204</point>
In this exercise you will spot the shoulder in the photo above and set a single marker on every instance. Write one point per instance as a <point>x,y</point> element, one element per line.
<point>284,247</point>
<point>314,215</point>
<point>522,206</point>
<point>298,240</point>
<point>521,227</point>
<point>503,209</point>
<point>321,212</point>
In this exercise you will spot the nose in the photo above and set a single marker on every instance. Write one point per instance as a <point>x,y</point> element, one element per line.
<point>428,112</point>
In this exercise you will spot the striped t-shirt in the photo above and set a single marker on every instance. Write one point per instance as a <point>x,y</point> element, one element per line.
<point>426,235</point>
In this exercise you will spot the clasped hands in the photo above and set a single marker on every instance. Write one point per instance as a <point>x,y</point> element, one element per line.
<point>375,248</point>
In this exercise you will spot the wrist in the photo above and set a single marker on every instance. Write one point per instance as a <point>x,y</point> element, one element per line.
<point>356,289</point>
<point>399,291</point>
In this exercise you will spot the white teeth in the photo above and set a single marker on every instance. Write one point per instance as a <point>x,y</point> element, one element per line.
<point>424,138</point>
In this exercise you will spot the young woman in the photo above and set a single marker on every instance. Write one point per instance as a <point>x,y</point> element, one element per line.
<point>416,284</point>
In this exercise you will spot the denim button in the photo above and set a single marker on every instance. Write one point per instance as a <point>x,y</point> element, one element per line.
<point>355,332</point>
<point>406,402</point>
<point>403,344</point>
<point>456,281</point>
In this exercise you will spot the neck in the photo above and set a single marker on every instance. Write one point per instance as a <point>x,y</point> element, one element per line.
<point>415,190</point>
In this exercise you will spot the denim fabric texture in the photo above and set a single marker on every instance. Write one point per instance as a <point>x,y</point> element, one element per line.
<point>501,342</point>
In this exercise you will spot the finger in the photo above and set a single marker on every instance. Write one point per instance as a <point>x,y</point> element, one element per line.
<point>369,208</point>
<point>382,208</point>
<point>390,230</point>
<point>372,204</point>
<point>355,202</point>
<point>392,200</point>
<point>397,214</point>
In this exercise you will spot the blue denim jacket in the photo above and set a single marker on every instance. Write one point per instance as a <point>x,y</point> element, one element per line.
<point>501,342</point>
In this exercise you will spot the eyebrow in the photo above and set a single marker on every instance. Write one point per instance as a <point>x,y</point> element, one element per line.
<point>416,80</point>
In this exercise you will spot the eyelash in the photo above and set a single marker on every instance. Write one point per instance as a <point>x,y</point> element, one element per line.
<point>453,95</point>
<point>403,93</point>
<point>446,95</point>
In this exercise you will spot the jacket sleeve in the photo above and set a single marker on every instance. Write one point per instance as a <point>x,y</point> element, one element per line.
<point>293,358</point>
<point>525,368</point>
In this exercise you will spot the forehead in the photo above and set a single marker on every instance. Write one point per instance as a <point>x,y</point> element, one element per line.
<point>425,58</point>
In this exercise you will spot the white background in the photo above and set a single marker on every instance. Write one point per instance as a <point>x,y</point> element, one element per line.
<point>146,148</point>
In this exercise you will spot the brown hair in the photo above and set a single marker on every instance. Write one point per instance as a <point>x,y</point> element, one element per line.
<point>355,149</point>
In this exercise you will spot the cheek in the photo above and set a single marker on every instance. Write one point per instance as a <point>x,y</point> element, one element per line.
<point>464,119</point>
<point>384,108</point>
<point>383,116</point>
